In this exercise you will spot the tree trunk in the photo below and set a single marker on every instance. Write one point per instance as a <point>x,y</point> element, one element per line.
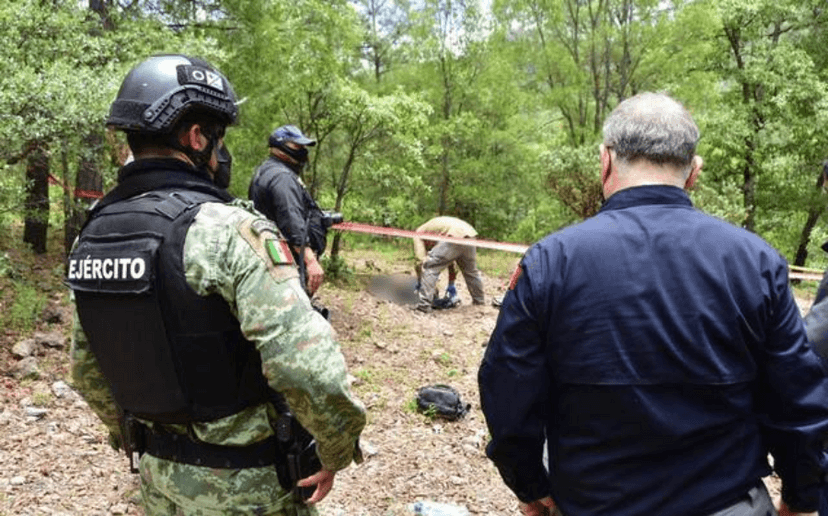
<point>813,215</point>
<point>37,200</point>
<point>101,7</point>
<point>445,180</point>
<point>68,205</point>
<point>749,187</point>
<point>341,189</point>
<point>88,187</point>
<point>445,140</point>
<point>335,245</point>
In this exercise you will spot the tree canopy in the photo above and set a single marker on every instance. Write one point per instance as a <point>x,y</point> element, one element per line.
<point>489,111</point>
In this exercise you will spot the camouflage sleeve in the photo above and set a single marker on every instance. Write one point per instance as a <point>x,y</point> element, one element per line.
<point>231,251</point>
<point>89,381</point>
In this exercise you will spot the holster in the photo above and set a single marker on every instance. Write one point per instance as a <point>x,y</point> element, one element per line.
<point>133,438</point>
<point>298,450</point>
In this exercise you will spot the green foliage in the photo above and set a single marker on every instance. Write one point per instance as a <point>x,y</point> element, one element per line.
<point>42,398</point>
<point>11,195</point>
<point>285,56</point>
<point>585,56</point>
<point>443,359</point>
<point>26,305</point>
<point>723,200</point>
<point>429,413</point>
<point>539,221</point>
<point>337,270</point>
<point>763,128</point>
<point>7,269</point>
<point>60,71</point>
<point>574,178</point>
<point>411,406</point>
<point>497,264</point>
<point>62,67</point>
<point>429,107</point>
<point>370,130</point>
<point>365,375</point>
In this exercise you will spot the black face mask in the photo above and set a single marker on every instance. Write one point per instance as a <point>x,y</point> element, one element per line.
<point>200,159</point>
<point>224,170</point>
<point>300,156</point>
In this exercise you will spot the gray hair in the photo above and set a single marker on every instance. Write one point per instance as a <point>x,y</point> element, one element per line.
<point>652,126</point>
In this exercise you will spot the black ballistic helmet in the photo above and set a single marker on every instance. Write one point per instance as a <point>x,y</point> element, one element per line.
<point>159,90</point>
<point>288,133</point>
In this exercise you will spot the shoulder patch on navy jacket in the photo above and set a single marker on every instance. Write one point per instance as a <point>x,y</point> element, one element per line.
<point>513,279</point>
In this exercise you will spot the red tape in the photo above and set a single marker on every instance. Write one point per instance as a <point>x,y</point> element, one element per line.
<point>86,194</point>
<point>798,273</point>
<point>404,233</point>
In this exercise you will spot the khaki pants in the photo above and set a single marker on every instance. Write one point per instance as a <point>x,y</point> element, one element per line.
<point>440,256</point>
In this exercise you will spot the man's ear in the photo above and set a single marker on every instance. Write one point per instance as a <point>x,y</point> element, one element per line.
<point>695,168</point>
<point>606,163</point>
<point>194,138</point>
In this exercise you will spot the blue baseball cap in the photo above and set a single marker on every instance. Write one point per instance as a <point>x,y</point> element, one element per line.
<point>289,133</point>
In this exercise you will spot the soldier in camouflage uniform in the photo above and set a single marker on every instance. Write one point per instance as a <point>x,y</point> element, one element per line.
<point>190,315</point>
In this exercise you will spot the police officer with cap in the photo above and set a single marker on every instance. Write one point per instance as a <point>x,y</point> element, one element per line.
<point>193,334</point>
<point>277,190</point>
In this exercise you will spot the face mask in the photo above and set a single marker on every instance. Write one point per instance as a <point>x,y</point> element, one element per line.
<point>300,154</point>
<point>224,170</point>
<point>200,159</point>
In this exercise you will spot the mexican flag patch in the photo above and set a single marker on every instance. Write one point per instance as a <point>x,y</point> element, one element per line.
<point>279,251</point>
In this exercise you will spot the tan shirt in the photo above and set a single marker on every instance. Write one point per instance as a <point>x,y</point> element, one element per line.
<point>449,226</point>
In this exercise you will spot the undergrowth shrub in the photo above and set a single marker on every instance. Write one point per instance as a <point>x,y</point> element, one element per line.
<point>337,269</point>
<point>24,308</point>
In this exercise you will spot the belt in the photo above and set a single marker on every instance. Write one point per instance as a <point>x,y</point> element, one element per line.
<point>182,449</point>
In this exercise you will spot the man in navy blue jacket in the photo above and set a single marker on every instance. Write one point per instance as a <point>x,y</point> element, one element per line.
<point>277,190</point>
<point>657,352</point>
<point>816,324</point>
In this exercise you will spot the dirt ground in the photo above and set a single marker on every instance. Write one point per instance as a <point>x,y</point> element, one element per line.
<point>54,459</point>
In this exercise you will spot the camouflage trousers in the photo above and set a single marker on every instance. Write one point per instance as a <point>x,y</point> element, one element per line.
<point>173,489</point>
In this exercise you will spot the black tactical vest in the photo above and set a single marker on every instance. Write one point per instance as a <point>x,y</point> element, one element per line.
<point>170,355</point>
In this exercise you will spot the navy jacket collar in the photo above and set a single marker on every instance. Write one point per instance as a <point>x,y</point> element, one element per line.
<point>646,195</point>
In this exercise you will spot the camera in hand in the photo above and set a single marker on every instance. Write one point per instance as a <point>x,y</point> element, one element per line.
<point>329,218</point>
